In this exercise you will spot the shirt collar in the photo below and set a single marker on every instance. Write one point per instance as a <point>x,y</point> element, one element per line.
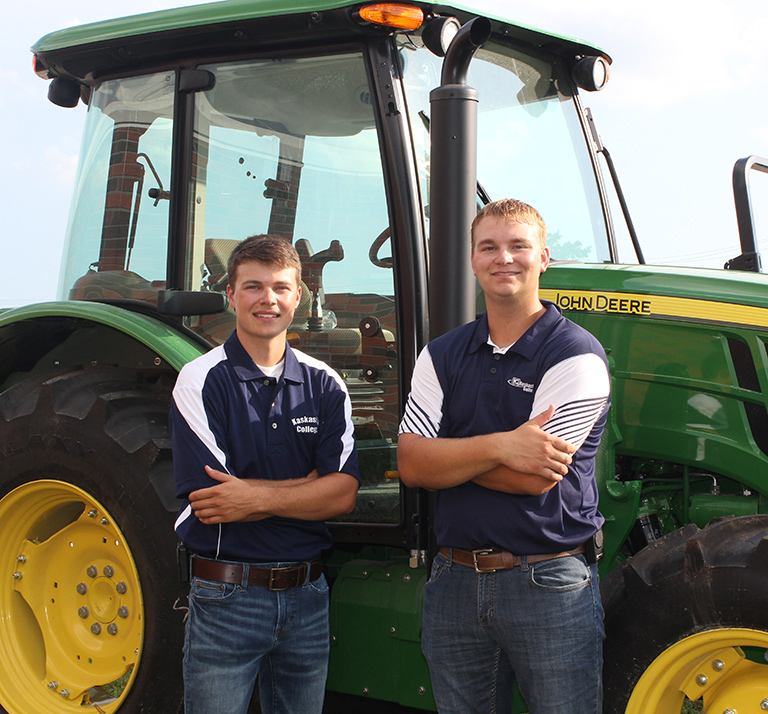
<point>527,345</point>
<point>247,370</point>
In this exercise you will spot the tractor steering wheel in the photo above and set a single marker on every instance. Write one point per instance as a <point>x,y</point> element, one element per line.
<point>373,251</point>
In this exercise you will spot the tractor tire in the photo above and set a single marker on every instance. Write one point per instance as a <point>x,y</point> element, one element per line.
<point>89,585</point>
<point>687,617</point>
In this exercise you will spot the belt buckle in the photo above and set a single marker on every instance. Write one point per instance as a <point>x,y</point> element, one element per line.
<point>272,571</point>
<point>481,552</point>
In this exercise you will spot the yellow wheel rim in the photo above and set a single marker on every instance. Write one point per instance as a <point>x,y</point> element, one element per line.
<point>71,611</point>
<point>710,666</point>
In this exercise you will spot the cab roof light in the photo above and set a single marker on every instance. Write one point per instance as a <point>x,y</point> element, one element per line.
<point>39,68</point>
<point>397,15</point>
<point>438,34</point>
<point>591,73</point>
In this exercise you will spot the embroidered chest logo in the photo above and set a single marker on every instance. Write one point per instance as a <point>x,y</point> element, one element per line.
<point>517,382</point>
<point>305,424</point>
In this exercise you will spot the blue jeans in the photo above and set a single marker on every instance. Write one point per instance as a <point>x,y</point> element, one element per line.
<point>539,624</point>
<point>235,634</point>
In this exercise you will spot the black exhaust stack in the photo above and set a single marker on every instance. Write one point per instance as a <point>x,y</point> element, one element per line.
<point>453,183</point>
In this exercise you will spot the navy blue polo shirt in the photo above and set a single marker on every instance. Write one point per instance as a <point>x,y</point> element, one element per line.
<point>464,386</point>
<point>228,415</point>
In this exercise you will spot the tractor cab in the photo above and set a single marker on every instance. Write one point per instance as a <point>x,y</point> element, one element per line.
<point>328,146</point>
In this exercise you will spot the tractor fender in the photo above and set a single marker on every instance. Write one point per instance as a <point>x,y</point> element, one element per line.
<point>32,334</point>
<point>51,341</point>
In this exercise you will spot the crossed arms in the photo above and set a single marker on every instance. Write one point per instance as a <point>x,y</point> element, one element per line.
<point>201,466</point>
<point>524,461</point>
<point>312,498</point>
<point>528,460</point>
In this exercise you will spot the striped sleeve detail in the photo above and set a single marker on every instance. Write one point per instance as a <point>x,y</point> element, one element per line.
<point>579,388</point>
<point>183,516</point>
<point>424,408</point>
<point>574,421</point>
<point>417,421</point>
<point>186,514</point>
<point>188,397</point>
<point>348,436</point>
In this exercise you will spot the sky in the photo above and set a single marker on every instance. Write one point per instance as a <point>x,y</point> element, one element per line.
<point>686,99</point>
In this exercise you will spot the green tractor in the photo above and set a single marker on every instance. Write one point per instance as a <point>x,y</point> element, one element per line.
<point>368,134</point>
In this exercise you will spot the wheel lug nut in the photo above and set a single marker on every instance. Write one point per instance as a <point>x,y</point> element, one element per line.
<point>92,514</point>
<point>92,572</point>
<point>83,612</point>
<point>21,559</point>
<point>64,693</point>
<point>701,679</point>
<point>104,521</point>
<point>53,685</point>
<point>109,571</point>
<point>764,705</point>
<point>96,628</point>
<point>82,588</point>
<point>17,575</point>
<point>121,588</point>
<point>123,611</point>
<point>718,665</point>
<point>112,628</point>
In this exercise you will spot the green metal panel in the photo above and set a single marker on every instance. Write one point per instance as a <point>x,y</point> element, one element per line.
<point>706,506</point>
<point>679,391</point>
<point>177,19</point>
<point>226,12</point>
<point>376,633</point>
<point>169,344</point>
<point>733,288</point>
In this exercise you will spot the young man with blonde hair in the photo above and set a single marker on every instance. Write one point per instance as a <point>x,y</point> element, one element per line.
<point>503,421</point>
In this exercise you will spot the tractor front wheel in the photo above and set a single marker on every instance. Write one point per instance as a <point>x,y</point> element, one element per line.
<point>686,621</point>
<point>87,552</point>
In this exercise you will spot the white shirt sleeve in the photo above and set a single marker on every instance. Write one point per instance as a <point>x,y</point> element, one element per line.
<point>424,408</point>
<point>579,388</point>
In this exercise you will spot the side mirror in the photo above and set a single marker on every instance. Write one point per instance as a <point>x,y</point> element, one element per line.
<point>749,258</point>
<point>190,302</point>
<point>64,92</point>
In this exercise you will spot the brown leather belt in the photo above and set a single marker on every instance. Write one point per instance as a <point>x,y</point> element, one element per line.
<point>274,578</point>
<point>489,561</point>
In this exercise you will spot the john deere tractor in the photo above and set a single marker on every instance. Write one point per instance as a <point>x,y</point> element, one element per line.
<point>369,135</point>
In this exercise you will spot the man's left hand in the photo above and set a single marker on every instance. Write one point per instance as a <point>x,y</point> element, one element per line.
<point>228,501</point>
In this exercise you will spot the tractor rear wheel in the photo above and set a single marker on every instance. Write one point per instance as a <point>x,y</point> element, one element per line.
<point>88,582</point>
<point>687,620</point>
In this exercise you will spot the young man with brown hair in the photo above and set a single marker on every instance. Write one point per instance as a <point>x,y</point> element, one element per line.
<point>263,454</point>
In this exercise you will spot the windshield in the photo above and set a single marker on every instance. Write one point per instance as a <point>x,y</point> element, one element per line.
<point>117,234</point>
<point>530,143</point>
<point>289,146</point>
